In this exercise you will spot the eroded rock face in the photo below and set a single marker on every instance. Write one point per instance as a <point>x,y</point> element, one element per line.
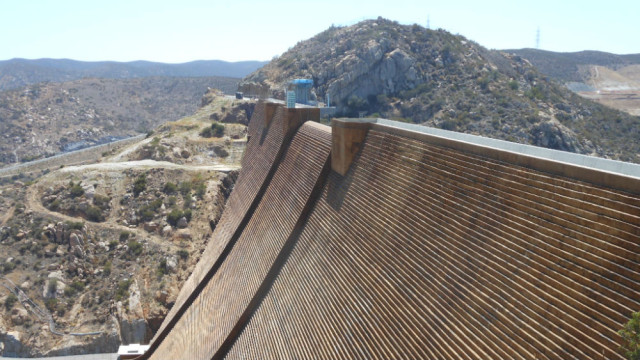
<point>133,325</point>
<point>553,135</point>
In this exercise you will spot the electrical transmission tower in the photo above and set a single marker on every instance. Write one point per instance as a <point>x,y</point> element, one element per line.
<point>538,38</point>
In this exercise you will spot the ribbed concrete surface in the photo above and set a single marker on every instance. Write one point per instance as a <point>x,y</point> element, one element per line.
<point>424,252</point>
<point>259,156</point>
<point>213,315</point>
<point>419,251</point>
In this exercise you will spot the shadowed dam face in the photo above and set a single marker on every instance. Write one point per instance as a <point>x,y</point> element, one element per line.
<point>415,249</point>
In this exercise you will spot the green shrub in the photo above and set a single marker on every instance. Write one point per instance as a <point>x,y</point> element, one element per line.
<point>183,254</point>
<point>77,286</point>
<point>54,205</point>
<point>113,244</point>
<point>185,188</point>
<point>483,82</point>
<point>139,185</point>
<point>201,189</point>
<point>631,337</point>
<point>51,304</point>
<point>170,188</point>
<point>146,214</point>
<point>218,129</point>
<point>187,214</point>
<point>171,201</point>
<point>75,190</point>
<point>75,225</point>
<point>107,268</point>
<point>124,235</point>
<point>123,289</point>
<point>162,268</point>
<point>94,214</point>
<point>135,248</point>
<point>8,267</point>
<point>9,301</point>
<point>174,216</point>
<point>101,201</point>
<point>215,130</point>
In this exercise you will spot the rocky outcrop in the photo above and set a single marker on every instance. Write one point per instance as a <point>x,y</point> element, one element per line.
<point>434,78</point>
<point>133,326</point>
<point>553,135</point>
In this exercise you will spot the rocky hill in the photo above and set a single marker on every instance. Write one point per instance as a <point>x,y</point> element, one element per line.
<point>102,249</point>
<point>48,118</point>
<point>17,73</point>
<point>443,80</point>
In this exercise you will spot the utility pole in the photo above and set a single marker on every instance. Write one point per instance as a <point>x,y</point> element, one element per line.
<point>428,23</point>
<point>538,38</point>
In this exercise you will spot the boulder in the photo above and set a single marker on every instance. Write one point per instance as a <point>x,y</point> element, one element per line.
<point>58,291</point>
<point>76,239</point>
<point>172,263</point>
<point>182,223</point>
<point>151,226</point>
<point>89,191</point>
<point>184,234</point>
<point>19,315</point>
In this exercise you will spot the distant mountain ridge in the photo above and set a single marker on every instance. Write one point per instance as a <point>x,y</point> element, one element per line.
<point>16,73</point>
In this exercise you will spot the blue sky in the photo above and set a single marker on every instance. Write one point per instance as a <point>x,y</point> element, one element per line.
<point>232,30</point>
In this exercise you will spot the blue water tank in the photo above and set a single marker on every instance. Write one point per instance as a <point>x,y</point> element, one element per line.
<point>304,82</point>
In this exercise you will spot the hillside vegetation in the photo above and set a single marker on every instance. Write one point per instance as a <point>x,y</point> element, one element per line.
<point>45,119</point>
<point>106,247</point>
<point>438,79</point>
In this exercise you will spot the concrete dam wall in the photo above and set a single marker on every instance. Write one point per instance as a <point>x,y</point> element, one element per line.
<point>365,240</point>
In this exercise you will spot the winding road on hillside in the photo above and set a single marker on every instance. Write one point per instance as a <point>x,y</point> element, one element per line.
<point>35,204</point>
